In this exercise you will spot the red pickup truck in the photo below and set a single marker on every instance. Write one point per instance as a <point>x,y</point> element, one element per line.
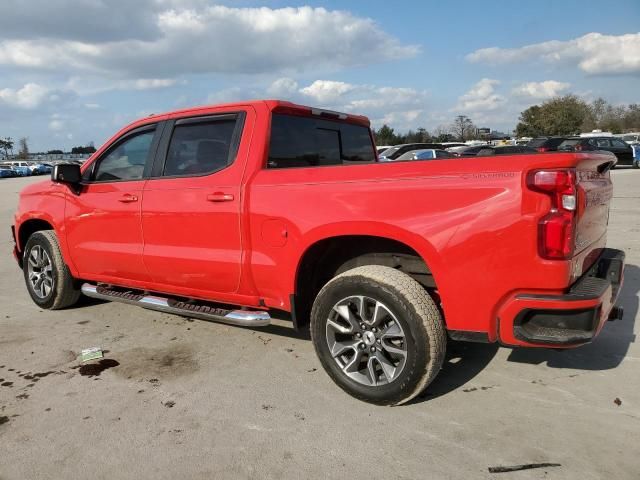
<point>232,212</point>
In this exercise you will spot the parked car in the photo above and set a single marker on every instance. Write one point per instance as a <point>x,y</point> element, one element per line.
<point>7,172</point>
<point>22,167</point>
<point>382,148</point>
<point>40,169</point>
<point>546,144</point>
<point>467,151</point>
<point>426,154</point>
<point>622,150</point>
<point>631,138</point>
<point>505,150</point>
<point>268,205</point>
<point>21,170</point>
<point>447,145</point>
<point>394,152</point>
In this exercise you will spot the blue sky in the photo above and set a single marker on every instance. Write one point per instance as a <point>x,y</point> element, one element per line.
<point>73,72</point>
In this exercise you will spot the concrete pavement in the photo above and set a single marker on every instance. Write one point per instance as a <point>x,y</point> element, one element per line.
<point>191,399</point>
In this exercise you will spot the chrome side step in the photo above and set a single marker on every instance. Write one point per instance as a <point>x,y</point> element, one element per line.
<point>241,318</point>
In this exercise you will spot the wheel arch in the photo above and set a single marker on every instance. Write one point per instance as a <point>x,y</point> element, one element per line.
<point>331,255</point>
<point>29,227</point>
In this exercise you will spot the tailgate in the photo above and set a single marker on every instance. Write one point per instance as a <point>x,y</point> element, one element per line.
<point>595,191</point>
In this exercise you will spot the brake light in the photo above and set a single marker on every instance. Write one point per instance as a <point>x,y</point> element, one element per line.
<point>556,230</point>
<point>543,149</point>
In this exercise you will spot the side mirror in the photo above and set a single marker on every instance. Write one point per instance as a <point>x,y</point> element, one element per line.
<point>68,173</point>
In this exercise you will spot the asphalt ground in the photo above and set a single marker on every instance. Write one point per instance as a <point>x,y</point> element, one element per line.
<point>193,399</point>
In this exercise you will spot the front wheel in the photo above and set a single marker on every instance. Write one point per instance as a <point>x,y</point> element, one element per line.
<point>48,279</point>
<point>378,334</point>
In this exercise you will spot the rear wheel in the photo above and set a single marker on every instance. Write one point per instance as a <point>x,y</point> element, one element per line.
<point>48,279</point>
<point>378,334</point>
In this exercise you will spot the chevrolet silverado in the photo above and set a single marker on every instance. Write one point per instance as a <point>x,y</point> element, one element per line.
<point>233,212</point>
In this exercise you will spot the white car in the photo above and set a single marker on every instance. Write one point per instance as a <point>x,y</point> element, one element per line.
<point>630,138</point>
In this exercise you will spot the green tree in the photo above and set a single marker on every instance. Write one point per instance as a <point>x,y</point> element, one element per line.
<point>88,149</point>
<point>559,116</point>
<point>6,146</point>
<point>385,135</point>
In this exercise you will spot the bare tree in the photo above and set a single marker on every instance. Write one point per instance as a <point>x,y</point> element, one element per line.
<point>463,128</point>
<point>23,151</point>
<point>442,133</point>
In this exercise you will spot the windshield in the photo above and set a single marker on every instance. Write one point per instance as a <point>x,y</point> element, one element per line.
<point>630,138</point>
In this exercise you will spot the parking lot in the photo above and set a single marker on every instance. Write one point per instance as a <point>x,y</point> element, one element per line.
<point>191,399</point>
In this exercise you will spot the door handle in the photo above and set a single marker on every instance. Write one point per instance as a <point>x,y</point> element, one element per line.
<point>220,197</point>
<point>128,198</point>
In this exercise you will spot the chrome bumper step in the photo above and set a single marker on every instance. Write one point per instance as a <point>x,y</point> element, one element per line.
<point>241,318</point>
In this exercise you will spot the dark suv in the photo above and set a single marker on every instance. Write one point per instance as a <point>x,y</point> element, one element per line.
<point>622,150</point>
<point>546,144</point>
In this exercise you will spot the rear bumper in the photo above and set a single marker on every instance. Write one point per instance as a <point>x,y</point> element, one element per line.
<point>571,319</point>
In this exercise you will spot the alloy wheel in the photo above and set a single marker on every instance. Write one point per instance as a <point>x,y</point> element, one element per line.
<point>40,271</point>
<point>366,340</point>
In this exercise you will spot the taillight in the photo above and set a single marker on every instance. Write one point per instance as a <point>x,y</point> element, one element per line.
<point>556,229</point>
<point>543,149</point>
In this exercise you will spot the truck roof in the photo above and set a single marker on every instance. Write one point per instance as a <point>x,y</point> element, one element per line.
<point>279,106</point>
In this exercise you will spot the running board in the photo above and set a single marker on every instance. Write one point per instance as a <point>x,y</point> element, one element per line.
<point>241,318</point>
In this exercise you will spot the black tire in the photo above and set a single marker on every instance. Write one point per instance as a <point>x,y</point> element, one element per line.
<point>64,291</point>
<point>425,339</point>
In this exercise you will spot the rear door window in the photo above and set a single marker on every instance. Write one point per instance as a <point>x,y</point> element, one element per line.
<point>308,142</point>
<point>603,143</point>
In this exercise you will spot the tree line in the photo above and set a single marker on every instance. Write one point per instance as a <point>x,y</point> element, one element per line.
<point>7,144</point>
<point>462,129</point>
<point>570,115</point>
<point>565,115</point>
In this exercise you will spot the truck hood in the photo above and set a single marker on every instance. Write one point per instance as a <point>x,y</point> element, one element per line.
<point>44,186</point>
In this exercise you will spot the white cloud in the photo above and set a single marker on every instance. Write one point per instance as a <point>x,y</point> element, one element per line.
<point>148,83</point>
<point>56,125</point>
<point>326,91</point>
<point>481,97</point>
<point>29,96</point>
<point>403,107</point>
<point>218,39</point>
<point>541,90</point>
<point>283,88</point>
<point>593,53</point>
<point>92,105</point>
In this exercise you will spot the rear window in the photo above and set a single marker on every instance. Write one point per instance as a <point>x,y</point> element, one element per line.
<point>310,142</point>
